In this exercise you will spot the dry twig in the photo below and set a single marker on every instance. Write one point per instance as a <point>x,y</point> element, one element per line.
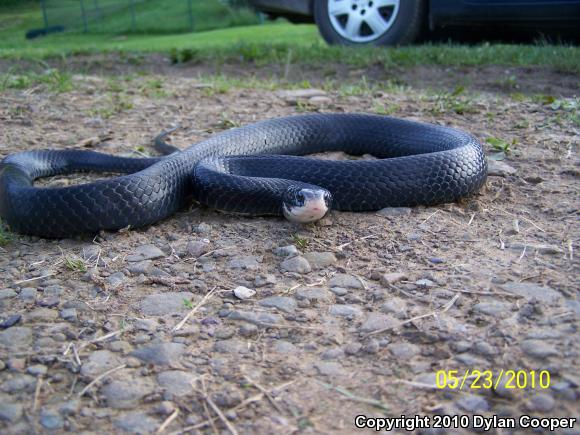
<point>101,376</point>
<point>434,313</point>
<point>194,309</point>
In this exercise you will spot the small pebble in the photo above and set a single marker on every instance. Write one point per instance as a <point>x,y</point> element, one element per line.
<point>243,293</point>
<point>286,251</point>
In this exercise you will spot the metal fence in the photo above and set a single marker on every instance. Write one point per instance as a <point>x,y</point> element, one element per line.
<point>144,16</point>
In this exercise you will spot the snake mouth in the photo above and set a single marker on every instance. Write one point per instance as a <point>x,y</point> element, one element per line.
<point>312,206</point>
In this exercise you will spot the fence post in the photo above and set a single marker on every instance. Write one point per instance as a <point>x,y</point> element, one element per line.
<point>133,18</point>
<point>97,9</point>
<point>190,13</point>
<point>84,15</point>
<point>44,15</point>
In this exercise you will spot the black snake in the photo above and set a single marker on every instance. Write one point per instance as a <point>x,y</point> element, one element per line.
<point>418,164</point>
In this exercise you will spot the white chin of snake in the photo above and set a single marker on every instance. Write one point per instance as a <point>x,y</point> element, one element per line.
<point>312,211</point>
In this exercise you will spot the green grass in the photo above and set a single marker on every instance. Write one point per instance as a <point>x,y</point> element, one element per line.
<point>54,80</point>
<point>5,235</point>
<point>75,264</point>
<point>279,43</point>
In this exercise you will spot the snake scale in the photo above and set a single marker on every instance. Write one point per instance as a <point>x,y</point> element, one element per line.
<point>417,163</point>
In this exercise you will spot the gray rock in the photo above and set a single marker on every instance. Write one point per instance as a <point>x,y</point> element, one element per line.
<point>296,94</point>
<point>339,291</point>
<point>90,252</point>
<point>127,392</point>
<point>544,333</point>
<point>429,379</point>
<point>160,353</point>
<point>18,383</point>
<point>99,362</point>
<point>320,260</point>
<point>248,262</point>
<point>49,302</point>
<point>541,402</point>
<point>495,308</point>
<point>248,330</point>
<point>243,293</point>
<point>149,325</point>
<point>468,359</point>
<point>136,422</point>
<point>256,318</point>
<point>352,348</point>
<point>530,290</point>
<point>37,370</point>
<point>141,267</point>
<point>50,419</point>
<point>161,304</point>
<point>164,408</point>
<point>286,251</point>
<point>500,168</point>
<point>116,280</point>
<point>473,403</point>
<point>9,320</point>
<point>320,100</point>
<point>141,339</point>
<point>314,294</point>
<point>425,283</point>
<point>392,278</point>
<point>264,280</point>
<point>9,411</point>
<point>283,346</point>
<point>69,314</point>
<point>28,294</point>
<point>40,315</point>
<point>371,347</point>
<point>330,354</point>
<point>395,306</point>
<point>296,264</point>
<point>538,349</point>
<point>203,228</point>
<point>145,252</point>
<point>197,248</point>
<point>176,382</point>
<point>232,346</point>
<point>329,368</point>
<point>502,390</point>
<point>120,346</point>
<point>394,211</point>
<point>70,408</point>
<point>484,348</point>
<point>573,305</point>
<point>283,303</point>
<point>7,293</point>
<point>345,281</point>
<point>16,337</point>
<point>80,306</point>
<point>377,321</point>
<point>53,291</point>
<point>348,311</point>
<point>403,351</point>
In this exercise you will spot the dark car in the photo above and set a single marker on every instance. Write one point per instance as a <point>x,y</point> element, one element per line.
<point>389,22</point>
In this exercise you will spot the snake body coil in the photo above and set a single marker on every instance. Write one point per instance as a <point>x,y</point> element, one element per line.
<point>419,164</point>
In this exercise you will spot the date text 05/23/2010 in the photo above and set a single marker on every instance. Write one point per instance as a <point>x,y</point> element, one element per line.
<point>463,422</point>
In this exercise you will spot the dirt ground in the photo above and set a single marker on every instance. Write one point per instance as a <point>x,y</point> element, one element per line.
<point>140,331</point>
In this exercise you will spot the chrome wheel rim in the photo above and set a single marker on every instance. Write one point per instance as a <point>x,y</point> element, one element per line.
<point>362,20</point>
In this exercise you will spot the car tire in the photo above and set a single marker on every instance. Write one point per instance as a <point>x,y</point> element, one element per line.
<point>370,22</point>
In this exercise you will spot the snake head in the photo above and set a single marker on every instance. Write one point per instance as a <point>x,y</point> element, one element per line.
<point>306,204</point>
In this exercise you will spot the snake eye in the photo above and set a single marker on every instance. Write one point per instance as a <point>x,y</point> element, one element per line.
<point>300,197</point>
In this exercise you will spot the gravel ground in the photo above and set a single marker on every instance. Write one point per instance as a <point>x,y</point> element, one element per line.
<point>217,323</point>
